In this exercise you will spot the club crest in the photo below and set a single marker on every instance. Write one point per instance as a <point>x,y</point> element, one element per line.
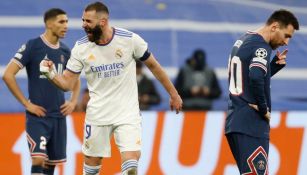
<point>118,54</point>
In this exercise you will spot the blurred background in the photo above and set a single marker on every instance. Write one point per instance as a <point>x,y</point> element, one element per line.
<point>173,29</point>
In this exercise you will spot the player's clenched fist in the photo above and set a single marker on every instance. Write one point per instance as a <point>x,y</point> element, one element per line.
<point>47,68</point>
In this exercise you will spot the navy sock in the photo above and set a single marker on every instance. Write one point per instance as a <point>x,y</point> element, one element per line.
<point>49,169</point>
<point>37,169</point>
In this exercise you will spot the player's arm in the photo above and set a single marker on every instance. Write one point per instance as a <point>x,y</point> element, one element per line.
<point>159,73</point>
<point>75,92</point>
<point>257,71</point>
<point>9,77</point>
<point>257,86</point>
<point>66,82</point>
<point>69,106</point>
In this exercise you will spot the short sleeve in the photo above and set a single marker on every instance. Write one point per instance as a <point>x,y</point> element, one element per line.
<point>22,56</point>
<point>140,48</point>
<point>74,63</point>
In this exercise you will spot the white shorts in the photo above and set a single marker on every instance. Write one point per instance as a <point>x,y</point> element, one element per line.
<point>96,141</point>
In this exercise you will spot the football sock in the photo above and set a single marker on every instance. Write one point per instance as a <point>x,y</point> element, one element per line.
<point>37,170</point>
<point>129,167</point>
<point>91,170</point>
<point>49,170</point>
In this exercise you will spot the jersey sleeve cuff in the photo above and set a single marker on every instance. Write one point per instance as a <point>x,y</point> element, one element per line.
<point>145,55</point>
<point>75,72</point>
<point>16,61</point>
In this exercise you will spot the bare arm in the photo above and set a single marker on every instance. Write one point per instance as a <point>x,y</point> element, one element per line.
<point>67,81</point>
<point>69,106</point>
<point>9,77</point>
<point>76,92</point>
<point>159,73</point>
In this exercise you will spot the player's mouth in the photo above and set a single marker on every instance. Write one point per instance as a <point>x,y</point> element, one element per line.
<point>88,32</point>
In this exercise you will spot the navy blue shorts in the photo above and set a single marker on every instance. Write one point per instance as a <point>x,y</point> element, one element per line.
<point>250,153</point>
<point>46,137</point>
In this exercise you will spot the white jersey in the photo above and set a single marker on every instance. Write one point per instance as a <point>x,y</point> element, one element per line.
<point>110,71</point>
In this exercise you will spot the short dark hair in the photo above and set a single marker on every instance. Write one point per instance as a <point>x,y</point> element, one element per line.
<point>52,13</point>
<point>98,7</point>
<point>284,18</point>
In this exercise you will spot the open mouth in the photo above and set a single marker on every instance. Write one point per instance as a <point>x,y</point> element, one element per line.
<point>88,32</point>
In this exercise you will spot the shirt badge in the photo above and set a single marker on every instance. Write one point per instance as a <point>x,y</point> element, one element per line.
<point>118,54</point>
<point>261,53</point>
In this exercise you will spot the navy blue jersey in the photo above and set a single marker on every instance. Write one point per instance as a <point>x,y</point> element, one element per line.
<point>41,91</point>
<point>250,71</point>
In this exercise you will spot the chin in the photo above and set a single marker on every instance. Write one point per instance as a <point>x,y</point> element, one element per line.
<point>90,39</point>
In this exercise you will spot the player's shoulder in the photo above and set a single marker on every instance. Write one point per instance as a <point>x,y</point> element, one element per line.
<point>34,41</point>
<point>254,39</point>
<point>82,41</point>
<point>123,32</point>
<point>30,44</point>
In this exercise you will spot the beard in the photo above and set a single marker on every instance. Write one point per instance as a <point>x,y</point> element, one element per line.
<point>94,33</point>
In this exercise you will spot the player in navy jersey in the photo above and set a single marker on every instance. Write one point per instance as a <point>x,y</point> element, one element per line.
<point>250,70</point>
<point>46,107</point>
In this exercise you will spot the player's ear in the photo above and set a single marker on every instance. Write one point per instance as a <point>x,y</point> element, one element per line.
<point>274,26</point>
<point>103,22</point>
<point>48,24</point>
<point>103,19</point>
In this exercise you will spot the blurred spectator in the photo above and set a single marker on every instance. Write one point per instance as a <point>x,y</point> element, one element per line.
<point>81,106</point>
<point>197,83</point>
<point>148,95</point>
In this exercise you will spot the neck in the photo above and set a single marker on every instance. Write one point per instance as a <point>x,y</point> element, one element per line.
<point>265,32</point>
<point>106,35</point>
<point>51,38</point>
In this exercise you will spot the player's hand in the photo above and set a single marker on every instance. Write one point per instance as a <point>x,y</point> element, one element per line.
<point>267,116</point>
<point>47,68</point>
<point>205,91</point>
<point>195,90</point>
<point>176,103</point>
<point>67,108</point>
<point>281,57</point>
<point>35,109</point>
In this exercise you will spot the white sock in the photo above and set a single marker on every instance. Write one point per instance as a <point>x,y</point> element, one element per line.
<point>129,165</point>
<point>91,170</point>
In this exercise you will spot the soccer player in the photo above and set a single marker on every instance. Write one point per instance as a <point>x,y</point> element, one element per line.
<point>250,70</point>
<point>108,56</point>
<point>46,107</point>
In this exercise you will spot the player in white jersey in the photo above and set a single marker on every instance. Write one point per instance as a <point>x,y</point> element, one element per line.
<point>108,55</point>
